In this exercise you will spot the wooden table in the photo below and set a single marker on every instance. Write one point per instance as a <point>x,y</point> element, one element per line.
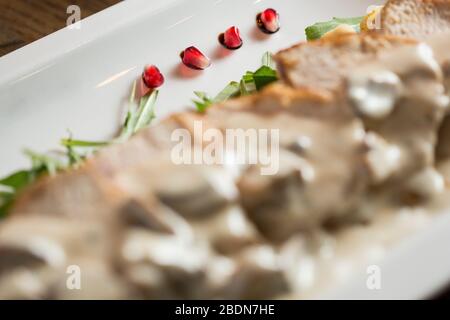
<point>24,21</point>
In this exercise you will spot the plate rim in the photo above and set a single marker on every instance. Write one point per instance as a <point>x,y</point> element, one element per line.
<point>37,55</point>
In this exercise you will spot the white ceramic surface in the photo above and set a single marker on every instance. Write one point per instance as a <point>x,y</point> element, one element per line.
<point>77,80</point>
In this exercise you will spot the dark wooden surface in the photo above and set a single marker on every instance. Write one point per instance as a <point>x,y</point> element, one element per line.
<point>24,21</point>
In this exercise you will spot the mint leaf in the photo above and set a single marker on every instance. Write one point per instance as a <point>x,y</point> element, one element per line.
<point>317,30</point>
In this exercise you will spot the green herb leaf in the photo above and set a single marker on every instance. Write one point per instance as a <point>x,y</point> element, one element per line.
<point>317,30</point>
<point>74,157</point>
<point>17,180</point>
<point>267,60</point>
<point>230,91</point>
<point>146,112</point>
<point>203,101</point>
<point>202,95</point>
<point>249,83</point>
<point>83,143</point>
<point>42,163</point>
<point>264,76</point>
<point>11,185</point>
<point>6,200</point>
<point>139,115</point>
<point>131,118</point>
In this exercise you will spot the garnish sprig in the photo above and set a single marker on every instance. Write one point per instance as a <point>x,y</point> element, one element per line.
<point>250,82</point>
<point>317,30</point>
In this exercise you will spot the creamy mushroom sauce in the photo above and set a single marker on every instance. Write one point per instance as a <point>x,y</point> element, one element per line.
<point>336,206</point>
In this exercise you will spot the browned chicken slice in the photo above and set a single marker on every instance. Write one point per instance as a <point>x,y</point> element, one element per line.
<point>418,19</point>
<point>404,117</point>
<point>79,193</point>
<point>321,151</point>
<point>90,190</point>
<point>323,64</point>
<point>304,121</point>
<point>427,20</point>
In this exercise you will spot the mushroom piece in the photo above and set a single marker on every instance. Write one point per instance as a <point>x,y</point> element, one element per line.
<point>258,275</point>
<point>40,249</point>
<point>375,94</point>
<point>228,231</point>
<point>164,266</point>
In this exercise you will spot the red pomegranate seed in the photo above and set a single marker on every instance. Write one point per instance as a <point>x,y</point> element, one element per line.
<point>231,39</point>
<point>268,21</point>
<point>152,77</point>
<point>195,59</point>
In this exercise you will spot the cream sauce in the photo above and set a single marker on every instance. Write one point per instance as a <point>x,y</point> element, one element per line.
<point>335,206</point>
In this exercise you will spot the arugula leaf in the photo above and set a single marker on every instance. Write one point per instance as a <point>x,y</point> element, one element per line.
<point>17,180</point>
<point>139,115</point>
<point>317,30</point>
<point>249,83</point>
<point>130,119</point>
<point>203,101</point>
<point>146,111</point>
<point>73,156</point>
<point>264,76</point>
<point>267,60</point>
<point>230,91</point>
<point>6,200</point>
<point>42,163</point>
<point>11,185</point>
<point>83,143</point>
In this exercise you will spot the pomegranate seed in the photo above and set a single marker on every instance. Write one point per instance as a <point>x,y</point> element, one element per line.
<point>268,21</point>
<point>231,39</point>
<point>152,77</point>
<point>195,59</point>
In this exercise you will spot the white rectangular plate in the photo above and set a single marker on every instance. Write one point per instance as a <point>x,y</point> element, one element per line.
<point>77,80</point>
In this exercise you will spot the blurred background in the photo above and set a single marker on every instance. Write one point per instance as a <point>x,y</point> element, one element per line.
<point>24,21</point>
